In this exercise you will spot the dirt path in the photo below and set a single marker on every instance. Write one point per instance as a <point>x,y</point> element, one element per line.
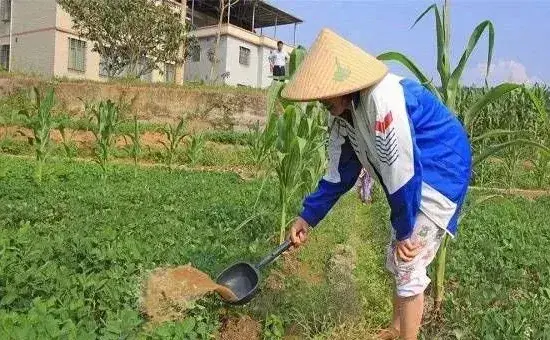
<point>83,138</point>
<point>525,193</point>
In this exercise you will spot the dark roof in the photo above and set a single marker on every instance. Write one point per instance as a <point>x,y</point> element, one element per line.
<point>266,15</point>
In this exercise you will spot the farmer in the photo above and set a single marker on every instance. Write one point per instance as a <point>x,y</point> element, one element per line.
<point>278,60</point>
<point>404,136</point>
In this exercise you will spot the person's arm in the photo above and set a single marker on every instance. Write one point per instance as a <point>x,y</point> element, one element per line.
<point>343,170</point>
<point>398,157</point>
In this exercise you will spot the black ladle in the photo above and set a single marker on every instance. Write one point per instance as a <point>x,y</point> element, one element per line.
<point>243,278</point>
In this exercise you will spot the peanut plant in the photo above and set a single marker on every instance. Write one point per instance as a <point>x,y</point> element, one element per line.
<point>38,117</point>
<point>174,136</point>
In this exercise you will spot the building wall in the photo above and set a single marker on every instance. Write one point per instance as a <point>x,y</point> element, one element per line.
<point>200,71</point>
<point>33,36</point>
<point>256,74</point>
<point>61,67</point>
<point>34,53</point>
<point>241,74</point>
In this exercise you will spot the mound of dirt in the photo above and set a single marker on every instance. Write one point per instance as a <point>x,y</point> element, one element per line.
<point>243,328</point>
<point>169,291</point>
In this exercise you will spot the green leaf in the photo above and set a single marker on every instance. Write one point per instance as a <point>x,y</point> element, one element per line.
<point>434,7</point>
<point>474,38</point>
<point>188,325</point>
<point>409,64</point>
<point>493,95</point>
<point>538,103</point>
<point>495,133</point>
<point>492,150</point>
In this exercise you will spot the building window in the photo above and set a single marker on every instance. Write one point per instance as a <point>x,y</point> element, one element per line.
<point>5,10</point>
<point>244,56</point>
<point>77,55</point>
<point>195,54</point>
<point>170,73</point>
<point>5,57</point>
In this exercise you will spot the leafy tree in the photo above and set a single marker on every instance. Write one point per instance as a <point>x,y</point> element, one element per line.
<point>136,36</point>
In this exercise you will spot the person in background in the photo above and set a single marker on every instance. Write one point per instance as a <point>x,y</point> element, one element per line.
<point>405,136</point>
<point>364,186</point>
<point>278,60</point>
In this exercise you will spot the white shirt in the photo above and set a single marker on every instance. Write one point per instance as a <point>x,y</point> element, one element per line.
<point>278,58</point>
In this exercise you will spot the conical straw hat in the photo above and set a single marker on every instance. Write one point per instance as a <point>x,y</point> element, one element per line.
<point>333,67</point>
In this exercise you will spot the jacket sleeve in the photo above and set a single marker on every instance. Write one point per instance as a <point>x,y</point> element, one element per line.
<point>343,170</point>
<point>398,157</point>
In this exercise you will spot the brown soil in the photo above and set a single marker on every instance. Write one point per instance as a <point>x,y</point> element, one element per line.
<point>293,266</point>
<point>169,291</point>
<point>242,328</point>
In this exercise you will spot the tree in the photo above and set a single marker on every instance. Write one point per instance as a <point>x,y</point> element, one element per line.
<point>136,36</point>
<point>213,55</point>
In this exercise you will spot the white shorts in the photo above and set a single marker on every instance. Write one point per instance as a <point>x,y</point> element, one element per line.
<point>410,277</point>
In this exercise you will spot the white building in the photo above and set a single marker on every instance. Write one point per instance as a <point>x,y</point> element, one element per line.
<point>243,49</point>
<point>37,37</point>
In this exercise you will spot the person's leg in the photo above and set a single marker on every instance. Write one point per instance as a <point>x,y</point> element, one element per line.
<point>411,278</point>
<point>392,332</point>
<point>411,309</point>
<point>396,319</point>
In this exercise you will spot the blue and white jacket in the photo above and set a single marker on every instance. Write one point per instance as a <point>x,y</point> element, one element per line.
<point>402,134</point>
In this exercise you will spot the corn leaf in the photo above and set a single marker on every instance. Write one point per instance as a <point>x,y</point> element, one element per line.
<point>411,66</point>
<point>492,150</point>
<point>496,133</point>
<point>472,43</point>
<point>494,94</point>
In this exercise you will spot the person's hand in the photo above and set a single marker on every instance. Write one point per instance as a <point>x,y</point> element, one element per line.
<point>406,250</point>
<point>298,232</point>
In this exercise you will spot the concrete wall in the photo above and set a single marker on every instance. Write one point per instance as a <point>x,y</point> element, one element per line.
<point>241,74</point>
<point>32,36</point>
<point>200,71</point>
<point>34,53</point>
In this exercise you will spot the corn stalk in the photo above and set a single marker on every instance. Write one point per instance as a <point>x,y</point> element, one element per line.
<point>174,136</point>
<point>299,156</point>
<point>106,116</point>
<point>539,98</point>
<point>292,143</point>
<point>135,148</point>
<point>39,119</point>
<point>195,149</point>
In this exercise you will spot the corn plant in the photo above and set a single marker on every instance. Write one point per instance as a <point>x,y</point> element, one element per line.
<point>135,148</point>
<point>195,149</point>
<point>540,100</point>
<point>174,136</point>
<point>448,92</point>
<point>106,117</point>
<point>38,117</point>
<point>299,155</point>
<point>263,141</point>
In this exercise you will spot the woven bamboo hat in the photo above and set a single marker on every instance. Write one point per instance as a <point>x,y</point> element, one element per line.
<point>333,67</point>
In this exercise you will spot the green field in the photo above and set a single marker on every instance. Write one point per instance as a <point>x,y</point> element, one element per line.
<point>74,252</point>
